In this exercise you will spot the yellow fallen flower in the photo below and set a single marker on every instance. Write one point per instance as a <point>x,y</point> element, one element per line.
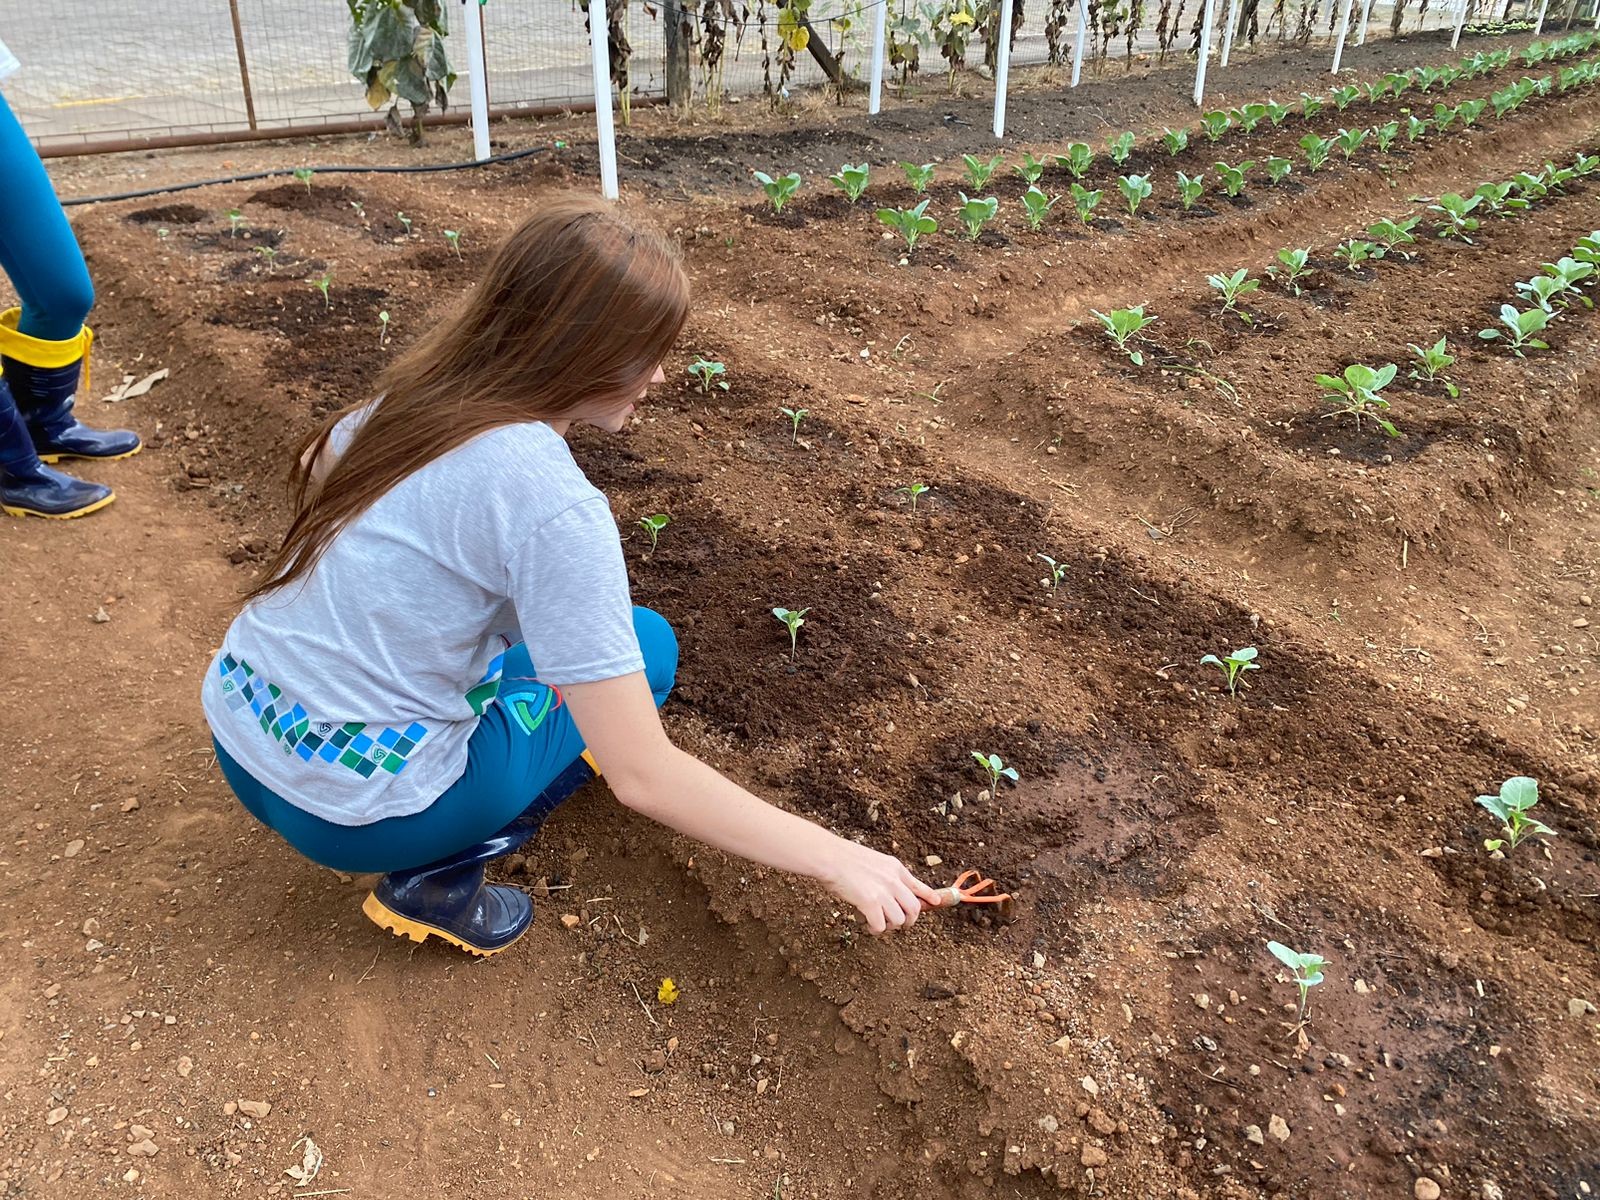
<point>667,993</point>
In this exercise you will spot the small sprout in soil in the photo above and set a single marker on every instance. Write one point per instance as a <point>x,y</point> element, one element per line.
<point>1175,140</point>
<point>653,525</point>
<point>453,236</point>
<point>795,415</point>
<point>1571,273</point>
<point>1123,326</point>
<point>707,374</point>
<point>163,233</point>
<point>270,254</point>
<point>383,327</point>
<point>914,491</point>
<point>851,180</point>
<point>1531,184</point>
<point>1278,168</point>
<point>322,284</point>
<point>1120,147</point>
<point>1343,97</point>
<point>980,171</point>
<point>1355,251</point>
<point>1456,213</point>
<point>1349,141</point>
<point>1293,265</point>
<point>304,175</point>
<point>1316,149</point>
<point>910,223</point>
<point>1232,288</point>
<point>1385,134</point>
<point>1031,169</point>
<point>1058,572</point>
<point>1277,113</point>
<point>1214,125</point>
<point>977,213</point>
<point>1359,393</point>
<point>1431,363</point>
<point>1543,291</point>
<point>1085,202</point>
<point>995,768</point>
<point>1310,105</point>
<point>1416,128</point>
<point>1190,189</point>
<point>1394,234</point>
<point>1521,328</point>
<point>1038,206</point>
<point>1248,116</point>
<point>1444,116</point>
<point>918,177</point>
<point>779,191</point>
<point>1077,159</point>
<point>792,620</point>
<point>404,220</point>
<point>1233,177</point>
<point>1396,83</point>
<point>1307,970</point>
<point>1135,191</point>
<point>1497,197</point>
<point>1234,666</point>
<point>1470,111</point>
<point>1517,796</point>
<point>235,219</point>
<point>361,213</point>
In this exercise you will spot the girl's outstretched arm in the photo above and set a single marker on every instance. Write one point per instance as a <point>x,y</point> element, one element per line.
<point>645,771</point>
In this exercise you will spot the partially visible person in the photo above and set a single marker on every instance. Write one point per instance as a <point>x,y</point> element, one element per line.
<point>44,344</point>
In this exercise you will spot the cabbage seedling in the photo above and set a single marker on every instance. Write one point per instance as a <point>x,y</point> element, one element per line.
<point>1374,91</point>
<point>795,415</point>
<point>270,254</point>
<point>792,620</point>
<point>976,213</point>
<point>1278,168</point>
<point>910,223</point>
<point>1571,273</point>
<point>453,236</point>
<point>1543,290</point>
<point>322,285</point>
<point>1520,329</point>
<point>304,174</point>
<point>1123,325</point>
<point>1234,666</point>
<point>1431,363</point>
<point>852,181</point>
<point>1030,168</point>
<point>1359,393</point>
<point>1307,970</point>
<point>1458,220</point>
<point>1444,116</point>
<point>1397,84</point>
<point>1120,147</point>
<point>1517,795</point>
<point>1232,288</point>
<point>1349,141</point>
<point>1135,190</point>
<point>1190,189</point>
<point>1058,572</point>
<point>1316,149</point>
<point>1416,128</point>
<point>1394,234</point>
<point>779,191</point>
<point>995,768</point>
<point>1276,113</point>
<point>653,525</point>
<point>1310,105</point>
<point>1038,206</point>
<point>918,177</point>
<point>1214,125</point>
<point>1077,159</point>
<point>914,491</point>
<point>1293,265</point>
<point>1343,97</point>
<point>235,219</point>
<point>979,171</point>
<point>1355,251</point>
<point>1233,177</point>
<point>1248,116</point>
<point>1470,111</point>
<point>1385,134</point>
<point>708,374</point>
<point>404,220</point>
<point>1175,140</point>
<point>1085,202</point>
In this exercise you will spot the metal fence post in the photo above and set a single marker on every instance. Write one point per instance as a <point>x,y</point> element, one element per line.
<point>244,67</point>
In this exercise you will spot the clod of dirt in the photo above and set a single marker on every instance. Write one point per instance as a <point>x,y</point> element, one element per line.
<point>940,989</point>
<point>1425,1189</point>
<point>185,1065</point>
<point>1093,1156</point>
<point>570,920</point>
<point>1579,1007</point>
<point>655,1062</point>
<point>131,804</point>
<point>56,1116</point>
<point>144,1149</point>
<point>1061,1047</point>
<point>255,1108</point>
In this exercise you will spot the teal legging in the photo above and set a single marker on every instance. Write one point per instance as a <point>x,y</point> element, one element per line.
<point>37,250</point>
<point>507,767</point>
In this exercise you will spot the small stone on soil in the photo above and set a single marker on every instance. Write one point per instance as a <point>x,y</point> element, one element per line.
<point>1579,1007</point>
<point>1425,1189</point>
<point>57,1115</point>
<point>1254,1136</point>
<point>1089,1085</point>
<point>1278,1127</point>
<point>570,920</point>
<point>255,1108</point>
<point>939,989</point>
<point>1093,1156</point>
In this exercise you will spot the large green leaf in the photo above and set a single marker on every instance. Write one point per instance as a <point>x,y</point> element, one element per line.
<point>384,36</point>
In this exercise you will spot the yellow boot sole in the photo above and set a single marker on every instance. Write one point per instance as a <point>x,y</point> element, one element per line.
<point>55,458</point>
<point>12,510</point>
<point>386,918</point>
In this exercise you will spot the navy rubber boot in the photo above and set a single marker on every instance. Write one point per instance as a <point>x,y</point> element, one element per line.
<point>28,488</point>
<point>449,899</point>
<point>560,789</point>
<point>45,397</point>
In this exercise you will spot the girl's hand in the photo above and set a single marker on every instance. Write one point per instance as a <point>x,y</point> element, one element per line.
<point>888,895</point>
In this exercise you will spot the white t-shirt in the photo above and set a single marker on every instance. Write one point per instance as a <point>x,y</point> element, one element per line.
<point>352,693</point>
<point>8,61</point>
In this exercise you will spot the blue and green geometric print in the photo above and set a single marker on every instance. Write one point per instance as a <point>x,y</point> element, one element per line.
<point>352,745</point>
<point>529,709</point>
<point>482,693</point>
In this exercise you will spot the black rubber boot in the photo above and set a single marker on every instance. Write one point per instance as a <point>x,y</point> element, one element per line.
<point>45,397</point>
<point>28,488</point>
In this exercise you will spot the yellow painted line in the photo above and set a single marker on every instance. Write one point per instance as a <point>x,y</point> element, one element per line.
<point>102,100</point>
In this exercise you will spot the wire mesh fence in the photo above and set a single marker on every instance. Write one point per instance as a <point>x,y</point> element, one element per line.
<point>101,73</point>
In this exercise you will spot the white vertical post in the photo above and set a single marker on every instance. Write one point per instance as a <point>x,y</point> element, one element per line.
<point>1461,19</point>
<point>600,43</point>
<point>1205,53</point>
<point>1344,26</point>
<point>1002,69</point>
<point>1227,33</point>
<point>1366,11</point>
<point>477,79</point>
<point>1078,46</point>
<point>1597,16</point>
<point>875,87</point>
<point>1539,27</point>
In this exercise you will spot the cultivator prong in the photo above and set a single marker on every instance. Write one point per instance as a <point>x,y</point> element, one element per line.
<point>972,888</point>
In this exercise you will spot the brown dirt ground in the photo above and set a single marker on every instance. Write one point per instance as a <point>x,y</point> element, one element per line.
<point>1421,606</point>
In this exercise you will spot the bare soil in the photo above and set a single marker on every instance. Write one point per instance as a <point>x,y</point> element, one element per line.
<point>1422,607</point>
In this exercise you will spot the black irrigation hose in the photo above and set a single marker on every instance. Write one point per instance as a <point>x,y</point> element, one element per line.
<point>422,169</point>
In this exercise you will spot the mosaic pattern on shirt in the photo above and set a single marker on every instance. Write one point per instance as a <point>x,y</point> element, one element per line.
<point>362,748</point>
<point>482,693</point>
